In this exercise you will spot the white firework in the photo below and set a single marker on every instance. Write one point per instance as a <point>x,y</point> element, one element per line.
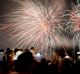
<point>32,24</point>
<point>75,20</point>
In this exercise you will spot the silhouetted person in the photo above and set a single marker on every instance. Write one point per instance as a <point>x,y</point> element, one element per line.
<point>24,62</point>
<point>76,68</point>
<point>41,68</point>
<point>67,66</point>
<point>3,62</point>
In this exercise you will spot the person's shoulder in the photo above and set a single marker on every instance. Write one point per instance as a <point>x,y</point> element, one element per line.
<point>14,72</point>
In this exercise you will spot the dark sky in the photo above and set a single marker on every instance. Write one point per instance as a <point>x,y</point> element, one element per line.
<point>7,5</point>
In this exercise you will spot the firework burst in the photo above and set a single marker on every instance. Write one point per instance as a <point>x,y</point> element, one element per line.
<point>35,25</point>
<point>75,19</point>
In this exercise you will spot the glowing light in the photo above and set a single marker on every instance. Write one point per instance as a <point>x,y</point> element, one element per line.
<point>18,53</point>
<point>67,57</point>
<point>35,24</point>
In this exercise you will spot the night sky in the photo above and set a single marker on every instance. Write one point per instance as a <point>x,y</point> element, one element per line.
<point>8,5</point>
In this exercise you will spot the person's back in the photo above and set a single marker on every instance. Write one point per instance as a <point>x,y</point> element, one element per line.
<point>24,62</point>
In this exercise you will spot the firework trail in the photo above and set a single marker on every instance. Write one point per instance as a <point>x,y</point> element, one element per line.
<point>75,20</point>
<point>34,24</point>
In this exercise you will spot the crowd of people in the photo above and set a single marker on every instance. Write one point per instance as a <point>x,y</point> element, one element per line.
<point>18,61</point>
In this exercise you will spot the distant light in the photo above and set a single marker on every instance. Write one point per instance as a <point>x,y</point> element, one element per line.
<point>17,54</point>
<point>38,55</point>
<point>79,57</point>
<point>67,57</point>
<point>78,52</point>
<point>13,49</point>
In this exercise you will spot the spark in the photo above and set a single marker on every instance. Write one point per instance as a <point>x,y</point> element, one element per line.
<point>75,19</point>
<point>35,25</point>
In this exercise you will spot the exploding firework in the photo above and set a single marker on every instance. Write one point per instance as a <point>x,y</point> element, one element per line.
<point>75,19</point>
<point>35,24</point>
